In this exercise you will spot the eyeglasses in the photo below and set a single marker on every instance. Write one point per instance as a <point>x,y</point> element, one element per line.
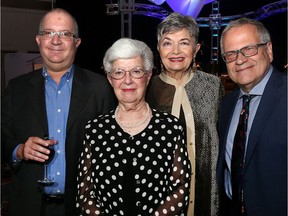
<point>65,35</point>
<point>246,51</point>
<point>136,73</point>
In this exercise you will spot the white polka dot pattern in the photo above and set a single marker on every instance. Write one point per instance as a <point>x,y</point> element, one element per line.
<point>145,174</point>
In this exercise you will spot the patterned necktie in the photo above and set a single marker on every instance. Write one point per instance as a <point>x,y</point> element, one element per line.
<point>237,161</point>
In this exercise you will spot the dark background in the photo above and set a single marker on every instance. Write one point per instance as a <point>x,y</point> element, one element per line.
<point>98,30</point>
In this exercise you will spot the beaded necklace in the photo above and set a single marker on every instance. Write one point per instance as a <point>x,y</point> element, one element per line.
<point>133,125</point>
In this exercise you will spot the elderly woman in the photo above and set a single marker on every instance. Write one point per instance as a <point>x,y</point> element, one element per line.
<point>134,160</point>
<point>194,97</point>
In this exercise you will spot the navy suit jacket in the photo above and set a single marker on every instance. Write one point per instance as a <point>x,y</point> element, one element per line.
<point>24,115</point>
<point>265,169</point>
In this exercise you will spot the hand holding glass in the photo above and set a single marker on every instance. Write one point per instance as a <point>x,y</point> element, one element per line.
<point>46,181</point>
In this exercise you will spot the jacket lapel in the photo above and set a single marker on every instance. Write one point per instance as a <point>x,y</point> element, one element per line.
<point>36,96</point>
<point>228,106</point>
<point>79,96</point>
<point>269,98</point>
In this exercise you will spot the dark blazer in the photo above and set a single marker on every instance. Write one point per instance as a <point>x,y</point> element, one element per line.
<point>265,169</point>
<point>24,115</point>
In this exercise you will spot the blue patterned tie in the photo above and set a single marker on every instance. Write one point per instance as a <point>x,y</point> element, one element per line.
<point>237,161</point>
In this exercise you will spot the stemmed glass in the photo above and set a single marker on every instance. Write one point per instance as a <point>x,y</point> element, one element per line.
<point>46,181</point>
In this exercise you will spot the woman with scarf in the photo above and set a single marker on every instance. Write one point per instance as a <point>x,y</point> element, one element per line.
<point>194,97</point>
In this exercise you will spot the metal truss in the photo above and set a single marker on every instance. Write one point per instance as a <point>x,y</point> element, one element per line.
<point>140,9</point>
<point>215,19</point>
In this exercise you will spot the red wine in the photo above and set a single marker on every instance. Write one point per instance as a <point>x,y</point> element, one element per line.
<point>51,155</point>
<point>52,151</point>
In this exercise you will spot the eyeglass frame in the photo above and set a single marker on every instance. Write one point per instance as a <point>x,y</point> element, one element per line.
<point>60,34</point>
<point>125,71</point>
<point>241,51</point>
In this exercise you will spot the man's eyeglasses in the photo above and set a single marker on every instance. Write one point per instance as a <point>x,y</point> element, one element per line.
<point>246,51</point>
<point>65,35</point>
<point>136,73</point>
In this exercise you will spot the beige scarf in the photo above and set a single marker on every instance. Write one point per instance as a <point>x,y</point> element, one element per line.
<point>181,98</point>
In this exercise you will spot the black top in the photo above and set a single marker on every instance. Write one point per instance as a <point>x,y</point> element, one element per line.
<point>128,175</point>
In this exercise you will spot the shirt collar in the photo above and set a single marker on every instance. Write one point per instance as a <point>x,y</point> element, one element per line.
<point>68,75</point>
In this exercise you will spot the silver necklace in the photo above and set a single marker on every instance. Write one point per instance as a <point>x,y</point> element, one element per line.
<point>132,125</point>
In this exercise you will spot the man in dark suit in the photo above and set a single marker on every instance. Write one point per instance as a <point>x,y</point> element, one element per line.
<point>56,100</point>
<point>247,50</point>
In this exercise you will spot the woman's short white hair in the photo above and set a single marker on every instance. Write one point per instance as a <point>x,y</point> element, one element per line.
<point>126,48</point>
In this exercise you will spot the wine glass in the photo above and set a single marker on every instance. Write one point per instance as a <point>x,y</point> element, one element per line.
<point>46,181</point>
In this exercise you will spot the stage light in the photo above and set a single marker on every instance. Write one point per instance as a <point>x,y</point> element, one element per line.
<point>157,2</point>
<point>186,7</point>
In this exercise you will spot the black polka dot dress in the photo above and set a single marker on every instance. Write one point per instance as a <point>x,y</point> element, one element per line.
<point>144,174</point>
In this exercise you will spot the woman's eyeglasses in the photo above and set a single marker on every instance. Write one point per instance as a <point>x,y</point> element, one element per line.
<point>136,73</point>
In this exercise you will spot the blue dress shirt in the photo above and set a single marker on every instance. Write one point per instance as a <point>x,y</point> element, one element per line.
<point>254,103</point>
<point>57,108</point>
